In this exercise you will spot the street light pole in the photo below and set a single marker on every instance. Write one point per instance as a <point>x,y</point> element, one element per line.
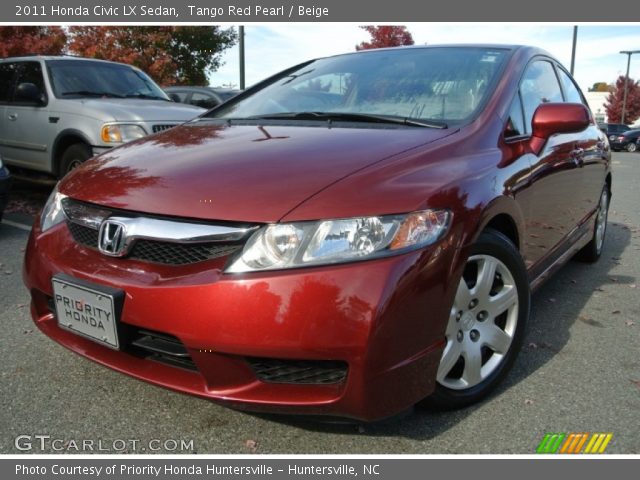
<point>628,53</point>
<point>241,45</point>
<point>573,48</point>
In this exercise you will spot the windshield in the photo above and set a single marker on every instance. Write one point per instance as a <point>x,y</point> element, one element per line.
<point>86,78</point>
<point>445,84</point>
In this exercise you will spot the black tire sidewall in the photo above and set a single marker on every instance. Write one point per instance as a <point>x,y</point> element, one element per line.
<point>77,151</point>
<point>497,245</point>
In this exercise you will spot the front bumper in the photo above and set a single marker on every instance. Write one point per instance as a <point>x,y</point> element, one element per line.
<point>5,185</point>
<point>384,318</point>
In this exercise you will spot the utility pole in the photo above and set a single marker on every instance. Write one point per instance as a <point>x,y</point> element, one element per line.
<point>573,48</point>
<point>241,45</point>
<point>628,53</point>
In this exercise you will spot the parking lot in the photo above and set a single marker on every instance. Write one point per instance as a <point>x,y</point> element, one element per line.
<point>578,372</point>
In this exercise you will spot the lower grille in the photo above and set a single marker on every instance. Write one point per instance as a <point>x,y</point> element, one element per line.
<point>298,371</point>
<point>157,346</point>
<point>162,128</point>
<point>162,348</point>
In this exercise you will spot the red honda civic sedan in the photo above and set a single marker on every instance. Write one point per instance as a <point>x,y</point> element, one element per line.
<point>350,237</point>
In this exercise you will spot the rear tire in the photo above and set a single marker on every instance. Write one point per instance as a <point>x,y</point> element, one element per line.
<point>591,252</point>
<point>73,157</point>
<point>486,325</point>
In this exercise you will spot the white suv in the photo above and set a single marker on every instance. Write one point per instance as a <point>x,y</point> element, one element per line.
<point>58,111</point>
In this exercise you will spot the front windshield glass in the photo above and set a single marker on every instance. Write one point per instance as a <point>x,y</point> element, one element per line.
<point>86,78</point>
<point>440,84</point>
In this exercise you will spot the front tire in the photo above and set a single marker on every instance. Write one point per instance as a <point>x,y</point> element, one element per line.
<point>486,325</point>
<point>631,147</point>
<point>73,157</point>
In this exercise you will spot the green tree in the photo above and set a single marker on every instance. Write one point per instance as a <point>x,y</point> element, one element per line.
<point>169,54</point>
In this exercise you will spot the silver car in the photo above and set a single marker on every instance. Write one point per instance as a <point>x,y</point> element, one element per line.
<point>58,111</point>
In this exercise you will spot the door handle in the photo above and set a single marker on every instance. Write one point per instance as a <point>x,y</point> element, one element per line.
<point>13,117</point>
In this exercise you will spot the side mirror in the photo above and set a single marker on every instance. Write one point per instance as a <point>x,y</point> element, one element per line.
<point>28,92</point>
<point>174,97</point>
<point>552,118</point>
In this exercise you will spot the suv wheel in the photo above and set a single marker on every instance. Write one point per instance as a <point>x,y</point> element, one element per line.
<point>73,157</point>
<point>486,325</point>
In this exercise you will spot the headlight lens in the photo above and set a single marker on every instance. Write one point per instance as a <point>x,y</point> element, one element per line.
<point>52,213</point>
<point>291,245</point>
<point>121,133</point>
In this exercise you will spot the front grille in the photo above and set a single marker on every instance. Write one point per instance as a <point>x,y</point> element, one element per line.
<point>161,347</point>
<point>179,253</point>
<point>273,370</point>
<point>83,235</point>
<point>166,253</point>
<point>162,128</point>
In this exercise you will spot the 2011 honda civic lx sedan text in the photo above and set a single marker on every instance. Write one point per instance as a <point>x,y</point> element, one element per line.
<point>350,237</point>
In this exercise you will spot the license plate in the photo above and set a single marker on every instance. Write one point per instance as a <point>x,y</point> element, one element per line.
<point>87,310</point>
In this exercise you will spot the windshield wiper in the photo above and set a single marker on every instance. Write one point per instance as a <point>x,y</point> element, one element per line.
<point>91,93</point>
<point>353,117</point>
<point>146,97</point>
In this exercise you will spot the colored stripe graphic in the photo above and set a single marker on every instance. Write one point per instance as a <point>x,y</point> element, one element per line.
<point>572,443</point>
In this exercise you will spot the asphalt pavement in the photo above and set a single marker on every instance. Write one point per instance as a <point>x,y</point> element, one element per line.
<point>578,372</point>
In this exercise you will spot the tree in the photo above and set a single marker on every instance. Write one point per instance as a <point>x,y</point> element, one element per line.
<point>169,54</point>
<point>613,105</point>
<point>15,41</point>
<point>601,87</point>
<point>383,36</point>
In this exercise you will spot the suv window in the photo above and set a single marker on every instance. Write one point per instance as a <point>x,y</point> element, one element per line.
<point>539,85</point>
<point>203,100</point>
<point>7,72</point>
<point>30,72</point>
<point>571,92</point>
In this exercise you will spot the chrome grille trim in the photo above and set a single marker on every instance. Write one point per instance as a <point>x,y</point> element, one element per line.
<point>140,229</point>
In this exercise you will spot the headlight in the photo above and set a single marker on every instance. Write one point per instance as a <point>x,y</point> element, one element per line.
<point>291,245</point>
<point>121,133</point>
<point>52,213</point>
<point>1,164</point>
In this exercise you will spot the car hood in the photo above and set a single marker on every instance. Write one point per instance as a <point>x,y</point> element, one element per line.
<point>246,173</point>
<point>139,110</point>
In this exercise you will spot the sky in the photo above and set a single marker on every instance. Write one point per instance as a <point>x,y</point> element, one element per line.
<point>270,48</point>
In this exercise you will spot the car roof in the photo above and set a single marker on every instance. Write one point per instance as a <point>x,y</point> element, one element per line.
<point>62,57</point>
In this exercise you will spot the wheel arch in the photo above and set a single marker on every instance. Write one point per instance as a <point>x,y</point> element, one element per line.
<point>503,214</point>
<point>64,140</point>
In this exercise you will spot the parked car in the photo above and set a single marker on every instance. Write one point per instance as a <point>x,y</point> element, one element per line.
<point>204,97</point>
<point>57,111</point>
<point>349,237</point>
<point>626,141</point>
<point>612,130</point>
<point>5,183</point>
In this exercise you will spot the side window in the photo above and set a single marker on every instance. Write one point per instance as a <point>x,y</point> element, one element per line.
<point>515,124</point>
<point>7,72</point>
<point>571,92</point>
<point>203,100</point>
<point>30,72</point>
<point>539,85</point>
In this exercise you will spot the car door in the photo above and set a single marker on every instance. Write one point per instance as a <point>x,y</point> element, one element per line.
<point>27,127</point>
<point>553,206</point>
<point>7,78</point>
<point>590,151</point>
